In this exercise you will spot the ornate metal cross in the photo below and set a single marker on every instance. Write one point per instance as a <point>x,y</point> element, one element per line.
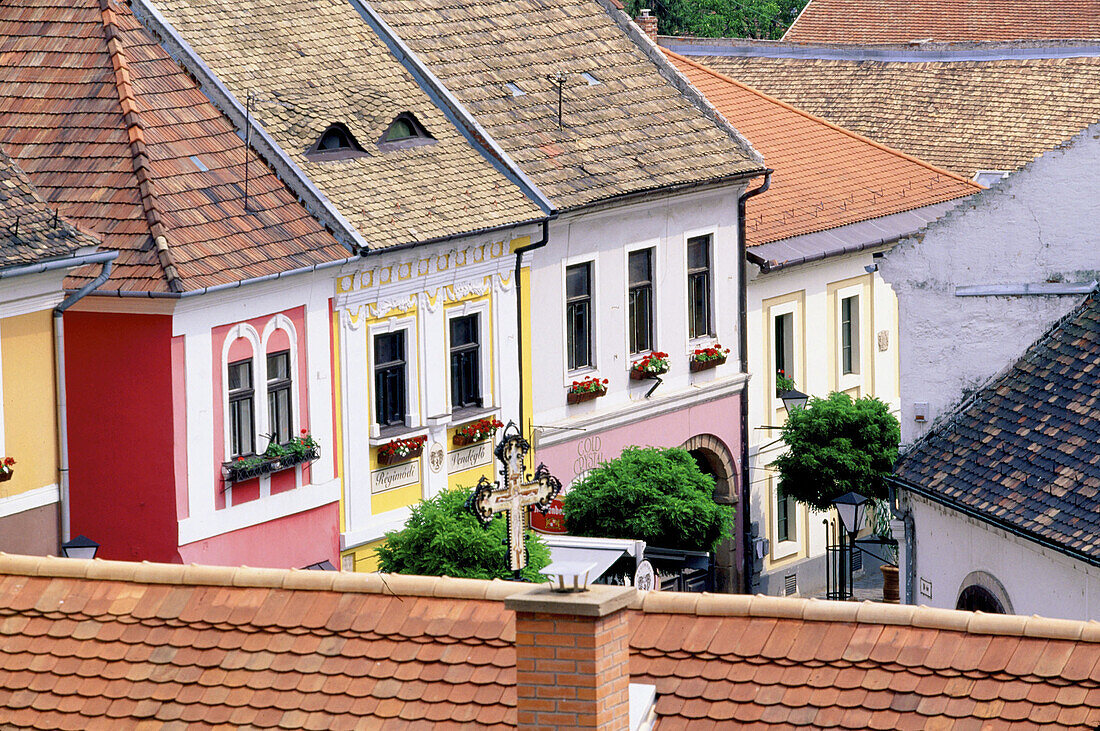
<point>514,496</point>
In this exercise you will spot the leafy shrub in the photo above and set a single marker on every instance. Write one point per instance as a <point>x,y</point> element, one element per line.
<point>441,537</point>
<point>656,495</point>
<point>837,445</point>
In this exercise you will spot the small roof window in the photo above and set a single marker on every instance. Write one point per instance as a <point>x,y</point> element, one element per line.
<point>515,90</point>
<point>404,131</point>
<point>592,80</point>
<point>336,142</point>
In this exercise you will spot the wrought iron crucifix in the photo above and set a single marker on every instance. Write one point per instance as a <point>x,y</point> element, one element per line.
<point>514,495</point>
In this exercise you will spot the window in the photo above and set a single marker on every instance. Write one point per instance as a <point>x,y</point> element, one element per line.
<point>640,278</point>
<point>784,344</point>
<point>849,335</point>
<point>336,142</point>
<point>404,131</point>
<point>389,378</point>
<point>578,314</point>
<point>784,516</point>
<point>465,362</point>
<point>699,307</point>
<point>278,396</point>
<point>241,394</point>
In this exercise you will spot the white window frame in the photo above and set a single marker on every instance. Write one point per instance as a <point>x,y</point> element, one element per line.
<point>714,311</point>
<point>657,284</point>
<point>485,346</point>
<point>782,549</point>
<point>412,353</point>
<point>774,311</point>
<point>569,376</point>
<point>850,380</point>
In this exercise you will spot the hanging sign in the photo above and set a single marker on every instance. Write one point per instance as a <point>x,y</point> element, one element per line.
<point>645,578</point>
<point>552,521</point>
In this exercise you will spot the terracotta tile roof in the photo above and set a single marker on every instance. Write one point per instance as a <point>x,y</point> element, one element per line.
<point>825,176</point>
<point>109,128</point>
<point>626,128</point>
<point>894,21</point>
<point>310,69</point>
<point>963,116</point>
<point>29,232</point>
<point>87,641</point>
<point>1025,450</point>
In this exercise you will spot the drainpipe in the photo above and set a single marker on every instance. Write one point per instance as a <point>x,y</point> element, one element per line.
<point>743,333</point>
<point>107,258</point>
<point>519,304</point>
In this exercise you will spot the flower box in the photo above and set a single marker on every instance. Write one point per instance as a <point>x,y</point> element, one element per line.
<point>6,471</point>
<point>476,431</point>
<point>650,366</point>
<point>705,365</point>
<point>248,468</point>
<point>640,375</point>
<point>400,450</point>
<point>6,475</point>
<point>575,397</point>
<point>586,390</point>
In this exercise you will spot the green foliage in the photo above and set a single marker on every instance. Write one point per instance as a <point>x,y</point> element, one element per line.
<point>441,537</point>
<point>837,445</point>
<point>721,18</point>
<point>656,495</point>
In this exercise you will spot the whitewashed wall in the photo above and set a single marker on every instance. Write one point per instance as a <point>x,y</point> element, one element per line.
<point>950,546</point>
<point>1039,224</point>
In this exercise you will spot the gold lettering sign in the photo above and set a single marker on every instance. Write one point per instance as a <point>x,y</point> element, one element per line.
<point>399,475</point>
<point>469,457</point>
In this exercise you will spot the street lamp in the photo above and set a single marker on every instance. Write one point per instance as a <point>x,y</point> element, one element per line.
<point>850,507</point>
<point>79,547</point>
<point>793,399</point>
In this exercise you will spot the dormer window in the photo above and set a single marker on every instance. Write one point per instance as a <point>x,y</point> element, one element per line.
<point>335,142</point>
<point>404,131</point>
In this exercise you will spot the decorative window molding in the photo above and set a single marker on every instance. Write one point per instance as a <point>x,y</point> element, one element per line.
<point>412,350</point>
<point>404,131</point>
<point>483,358</point>
<point>579,316</point>
<point>335,143</point>
<point>641,291</point>
<point>700,286</point>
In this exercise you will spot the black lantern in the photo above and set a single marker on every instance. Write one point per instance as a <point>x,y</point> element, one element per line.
<point>851,508</point>
<point>793,399</point>
<point>79,547</point>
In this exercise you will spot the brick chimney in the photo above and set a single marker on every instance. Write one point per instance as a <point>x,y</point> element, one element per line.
<point>648,24</point>
<point>572,658</point>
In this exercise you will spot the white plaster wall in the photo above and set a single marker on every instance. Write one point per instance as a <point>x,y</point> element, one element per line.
<point>1041,222</point>
<point>816,350</point>
<point>949,546</point>
<point>605,237</point>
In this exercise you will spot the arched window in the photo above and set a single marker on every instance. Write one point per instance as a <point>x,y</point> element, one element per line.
<point>336,142</point>
<point>976,598</point>
<point>404,131</point>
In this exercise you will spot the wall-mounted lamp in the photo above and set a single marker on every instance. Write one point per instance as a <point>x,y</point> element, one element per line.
<point>793,399</point>
<point>79,547</point>
<point>871,268</point>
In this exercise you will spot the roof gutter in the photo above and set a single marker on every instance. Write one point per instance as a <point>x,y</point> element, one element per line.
<point>100,257</point>
<point>743,347</point>
<point>770,265</point>
<point>970,512</point>
<point>107,258</point>
<point>458,115</point>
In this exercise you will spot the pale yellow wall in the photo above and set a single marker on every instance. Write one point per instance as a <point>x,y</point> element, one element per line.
<point>30,413</point>
<point>363,557</point>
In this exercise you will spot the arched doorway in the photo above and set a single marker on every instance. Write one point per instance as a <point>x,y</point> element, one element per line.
<point>715,459</point>
<point>982,592</point>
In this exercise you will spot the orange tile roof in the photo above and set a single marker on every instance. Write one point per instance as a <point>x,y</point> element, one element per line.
<point>86,642</point>
<point>893,21</point>
<point>825,176</point>
<point>106,125</point>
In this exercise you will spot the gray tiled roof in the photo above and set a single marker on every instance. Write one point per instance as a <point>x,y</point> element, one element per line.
<point>29,231</point>
<point>634,130</point>
<point>1025,450</point>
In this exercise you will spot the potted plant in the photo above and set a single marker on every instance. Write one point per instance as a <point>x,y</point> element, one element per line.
<point>705,358</point>
<point>782,383</point>
<point>276,457</point>
<point>6,470</point>
<point>476,431</point>
<point>586,390</point>
<point>399,450</point>
<point>880,524</point>
<point>649,366</point>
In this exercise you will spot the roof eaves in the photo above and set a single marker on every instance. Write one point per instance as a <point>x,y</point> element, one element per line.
<point>883,53</point>
<point>672,74</point>
<point>455,112</point>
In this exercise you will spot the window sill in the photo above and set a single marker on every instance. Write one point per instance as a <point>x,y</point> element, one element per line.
<point>389,433</point>
<point>470,413</point>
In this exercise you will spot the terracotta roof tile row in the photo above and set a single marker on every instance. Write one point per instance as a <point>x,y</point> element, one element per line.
<point>1025,450</point>
<point>624,127</point>
<point>891,21</point>
<point>29,229</point>
<point>84,641</point>
<point>306,71</point>
<point>825,176</point>
<point>120,140</point>
<point>963,116</point>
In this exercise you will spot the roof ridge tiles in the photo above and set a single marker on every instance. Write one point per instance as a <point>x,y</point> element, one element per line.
<point>728,605</point>
<point>131,116</point>
<point>822,121</point>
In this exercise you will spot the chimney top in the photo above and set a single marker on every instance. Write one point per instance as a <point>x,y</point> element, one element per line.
<point>648,24</point>
<point>598,601</point>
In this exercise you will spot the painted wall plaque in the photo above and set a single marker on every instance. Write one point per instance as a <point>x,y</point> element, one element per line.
<point>475,455</point>
<point>399,475</point>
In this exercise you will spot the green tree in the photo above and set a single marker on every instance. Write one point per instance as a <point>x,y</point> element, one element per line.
<point>837,445</point>
<point>721,18</point>
<point>441,537</point>
<point>656,495</point>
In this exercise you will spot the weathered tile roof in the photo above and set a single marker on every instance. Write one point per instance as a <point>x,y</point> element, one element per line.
<point>963,116</point>
<point>109,128</point>
<point>92,642</point>
<point>311,66</point>
<point>901,21</point>
<point>1024,451</point>
<point>825,176</point>
<point>29,231</point>
<point>628,129</point>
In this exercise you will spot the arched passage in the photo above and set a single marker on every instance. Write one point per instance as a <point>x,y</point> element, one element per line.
<point>982,592</point>
<point>715,459</point>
